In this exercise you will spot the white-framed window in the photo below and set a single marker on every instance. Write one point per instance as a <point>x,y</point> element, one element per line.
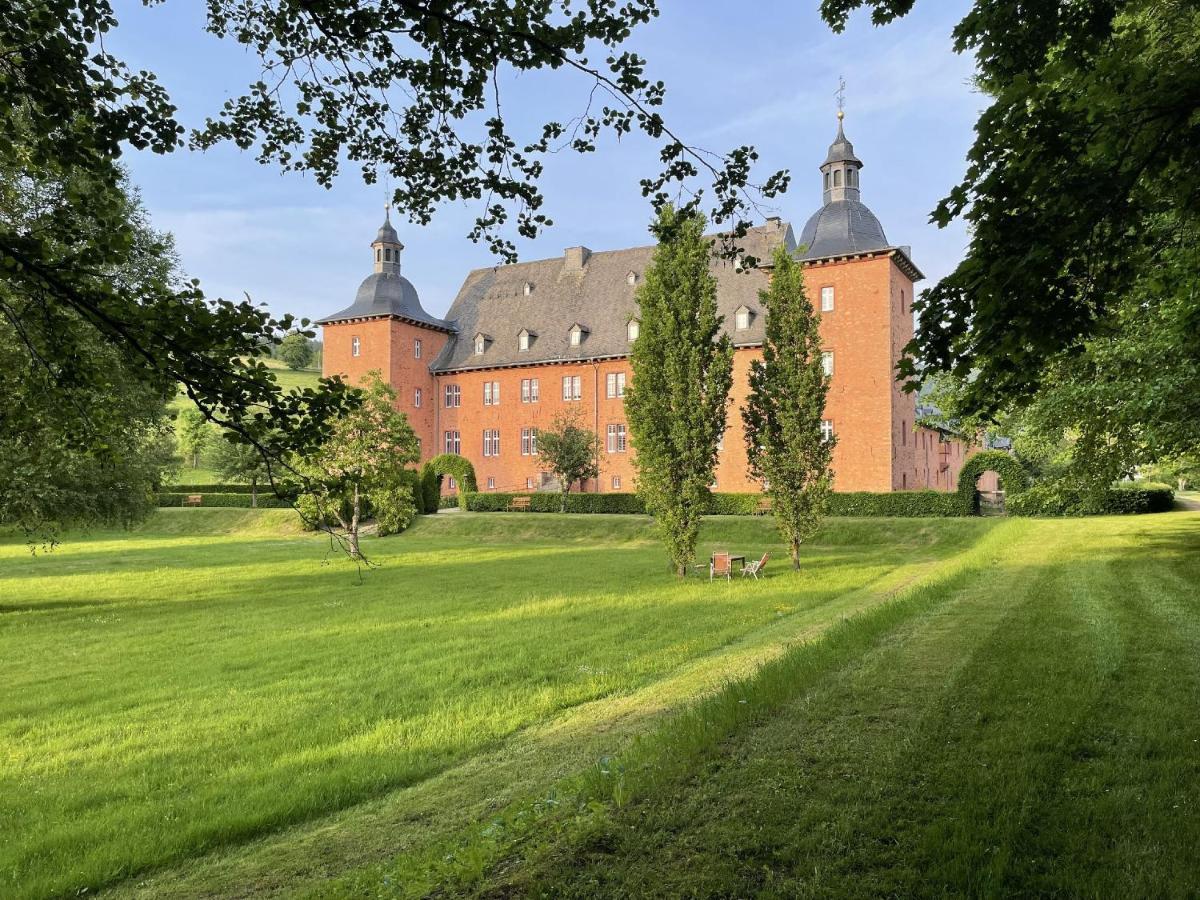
<point>417,397</point>
<point>616,482</point>
<point>416,348</point>
<point>355,346</point>
<point>527,289</point>
<point>529,390</point>
<point>491,393</point>
<point>827,298</point>
<point>616,438</point>
<point>826,430</point>
<point>576,335</point>
<point>491,442</point>
<point>572,387</point>
<point>614,383</point>
<point>632,277</point>
<point>529,484</point>
<point>523,341</point>
<point>632,329</point>
<point>741,318</point>
<point>827,362</point>
<point>453,445</point>
<point>491,482</point>
<point>452,484</point>
<point>480,344</point>
<point>453,396</point>
<point>529,442</point>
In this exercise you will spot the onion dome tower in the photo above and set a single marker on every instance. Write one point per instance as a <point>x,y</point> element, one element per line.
<point>843,225</point>
<point>385,292</point>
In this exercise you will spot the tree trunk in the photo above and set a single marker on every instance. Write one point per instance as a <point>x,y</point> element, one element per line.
<point>681,570</point>
<point>796,555</point>
<point>195,459</point>
<point>563,498</point>
<point>352,531</point>
<point>253,493</point>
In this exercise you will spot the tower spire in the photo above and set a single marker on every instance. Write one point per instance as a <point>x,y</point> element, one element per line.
<point>386,247</point>
<point>839,172</point>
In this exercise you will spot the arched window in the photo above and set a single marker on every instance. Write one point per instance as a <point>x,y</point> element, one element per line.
<point>850,173</point>
<point>378,255</point>
<point>837,178</point>
<point>826,181</point>
<point>387,254</point>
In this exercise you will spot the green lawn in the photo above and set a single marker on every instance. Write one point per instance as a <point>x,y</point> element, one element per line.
<point>517,705</point>
<point>217,701</point>
<point>1026,728</point>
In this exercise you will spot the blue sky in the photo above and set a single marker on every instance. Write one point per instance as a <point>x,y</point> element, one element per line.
<point>733,77</point>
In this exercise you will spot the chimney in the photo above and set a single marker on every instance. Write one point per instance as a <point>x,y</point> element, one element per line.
<point>773,221</point>
<point>575,258</point>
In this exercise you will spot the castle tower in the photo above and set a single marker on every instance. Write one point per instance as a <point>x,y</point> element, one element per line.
<point>386,329</point>
<point>862,286</point>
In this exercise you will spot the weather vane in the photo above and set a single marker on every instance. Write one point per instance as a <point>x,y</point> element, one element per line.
<point>841,97</point>
<point>387,197</point>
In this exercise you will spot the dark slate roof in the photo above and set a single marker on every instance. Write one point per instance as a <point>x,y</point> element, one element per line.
<point>387,233</point>
<point>841,150</point>
<point>842,228</point>
<point>599,297</point>
<point>387,294</point>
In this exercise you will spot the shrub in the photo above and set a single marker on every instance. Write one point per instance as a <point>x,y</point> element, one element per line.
<point>287,490</point>
<point>236,500</point>
<point>898,504</point>
<point>1127,498</point>
<point>907,503</point>
<point>430,489</point>
<point>393,507</point>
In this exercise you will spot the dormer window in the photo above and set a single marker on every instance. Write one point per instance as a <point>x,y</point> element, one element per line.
<point>528,288</point>
<point>481,342</point>
<point>633,329</point>
<point>741,318</point>
<point>577,333</point>
<point>525,339</point>
<point>631,278</point>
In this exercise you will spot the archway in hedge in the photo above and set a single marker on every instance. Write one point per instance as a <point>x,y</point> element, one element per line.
<point>457,467</point>
<point>1014,478</point>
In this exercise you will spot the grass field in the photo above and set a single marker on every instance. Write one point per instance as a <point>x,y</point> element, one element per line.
<point>210,679</point>
<point>205,707</point>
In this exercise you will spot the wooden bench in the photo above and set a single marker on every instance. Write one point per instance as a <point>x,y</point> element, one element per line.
<point>520,504</point>
<point>764,507</point>
<point>193,500</point>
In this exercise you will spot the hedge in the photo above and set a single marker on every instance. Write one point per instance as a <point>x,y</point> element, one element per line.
<point>1128,498</point>
<point>266,500</point>
<point>1014,477</point>
<point>906,503</point>
<point>551,501</point>
<point>288,490</point>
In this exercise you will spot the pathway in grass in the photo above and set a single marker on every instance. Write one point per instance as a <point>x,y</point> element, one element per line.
<point>1030,731</point>
<point>173,695</point>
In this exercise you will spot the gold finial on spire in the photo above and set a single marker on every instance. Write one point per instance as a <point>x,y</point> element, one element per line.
<point>841,98</point>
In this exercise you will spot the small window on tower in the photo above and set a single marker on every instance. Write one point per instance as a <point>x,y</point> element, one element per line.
<point>837,178</point>
<point>417,348</point>
<point>826,181</point>
<point>387,254</point>
<point>378,255</point>
<point>826,430</point>
<point>417,397</point>
<point>827,299</point>
<point>355,346</point>
<point>827,362</point>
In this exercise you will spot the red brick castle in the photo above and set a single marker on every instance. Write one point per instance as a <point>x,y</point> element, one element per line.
<point>522,342</point>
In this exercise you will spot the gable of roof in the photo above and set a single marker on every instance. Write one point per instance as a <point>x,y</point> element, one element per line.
<point>597,295</point>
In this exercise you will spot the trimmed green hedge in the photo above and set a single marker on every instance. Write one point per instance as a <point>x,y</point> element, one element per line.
<point>547,501</point>
<point>905,503</point>
<point>940,504</point>
<point>1014,477</point>
<point>210,488</point>
<point>266,500</point>
<point>1127,498</point>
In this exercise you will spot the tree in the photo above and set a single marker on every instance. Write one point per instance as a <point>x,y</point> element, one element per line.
<point>1081,187</point>
<point>240,462</point>
<point>193,432</point>
<point>296,351</point>
<point>785,445</point>
<point>570,450</point>
<point>363,465</point>
<point>682,371</point>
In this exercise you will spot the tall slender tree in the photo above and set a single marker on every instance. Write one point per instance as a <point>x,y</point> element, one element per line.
<point>786,447</point>
<point>682,371</point>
